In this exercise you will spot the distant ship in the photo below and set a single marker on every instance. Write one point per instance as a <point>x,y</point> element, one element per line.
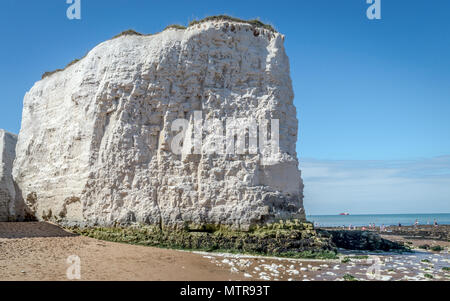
<point>345,214</point>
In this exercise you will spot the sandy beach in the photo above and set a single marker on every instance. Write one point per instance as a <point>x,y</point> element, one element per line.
<point>38,251</point>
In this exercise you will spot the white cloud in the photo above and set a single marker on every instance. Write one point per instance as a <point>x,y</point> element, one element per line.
<point>369,187</point>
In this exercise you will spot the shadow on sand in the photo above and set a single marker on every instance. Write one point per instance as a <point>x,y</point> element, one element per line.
<point>32,230</point>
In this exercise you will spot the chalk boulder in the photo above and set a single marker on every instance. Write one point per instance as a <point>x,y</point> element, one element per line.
<point>95,142</point>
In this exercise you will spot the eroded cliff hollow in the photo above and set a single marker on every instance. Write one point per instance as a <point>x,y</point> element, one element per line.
<point>94,147</point>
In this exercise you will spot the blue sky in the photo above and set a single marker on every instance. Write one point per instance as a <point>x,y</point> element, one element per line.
<point>377,186</point>
<point>366,91</point>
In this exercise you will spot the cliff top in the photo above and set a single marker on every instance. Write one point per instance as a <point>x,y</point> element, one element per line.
<point>256,23</point>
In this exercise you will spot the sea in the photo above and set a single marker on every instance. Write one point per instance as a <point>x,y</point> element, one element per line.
<point>379,219</point>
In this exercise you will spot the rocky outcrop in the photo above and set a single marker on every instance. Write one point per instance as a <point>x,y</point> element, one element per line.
<point>286,239</point>
<point>361,240</point>
<point>8,208</point>
<point>95,142</point>
<point>425,232</point>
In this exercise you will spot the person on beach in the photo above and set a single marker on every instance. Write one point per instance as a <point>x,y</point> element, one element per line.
<point>435,223</point>
<point>416,223</point>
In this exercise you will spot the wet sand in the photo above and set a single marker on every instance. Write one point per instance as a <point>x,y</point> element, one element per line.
<point>417,266</point>
<point>38,251</point>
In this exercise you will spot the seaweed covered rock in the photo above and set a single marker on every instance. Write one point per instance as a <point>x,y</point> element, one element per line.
<point>290,239</point>
<point>361,240</point>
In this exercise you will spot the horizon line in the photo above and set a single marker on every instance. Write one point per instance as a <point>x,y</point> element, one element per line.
<point>338,214</point>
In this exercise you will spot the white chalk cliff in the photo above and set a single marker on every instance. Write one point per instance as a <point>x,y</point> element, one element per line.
<point>8,205</point>
<point>94,147</point>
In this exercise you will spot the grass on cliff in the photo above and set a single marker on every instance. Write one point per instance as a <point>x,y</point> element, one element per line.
<point>47,74</point>
<point>273,241</point>
<point>131,32</point>
<point>256,22</point>
<point>175,26</point>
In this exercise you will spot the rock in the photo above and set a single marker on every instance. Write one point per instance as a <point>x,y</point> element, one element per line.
<point>284,241</point>
<point>428,232</point>
<point>361,240</point>
<point>8,210</point>
<point>95,142</point>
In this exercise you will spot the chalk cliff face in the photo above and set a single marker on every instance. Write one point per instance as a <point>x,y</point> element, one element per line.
<point>95,143</point>
<point>8,208</point>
